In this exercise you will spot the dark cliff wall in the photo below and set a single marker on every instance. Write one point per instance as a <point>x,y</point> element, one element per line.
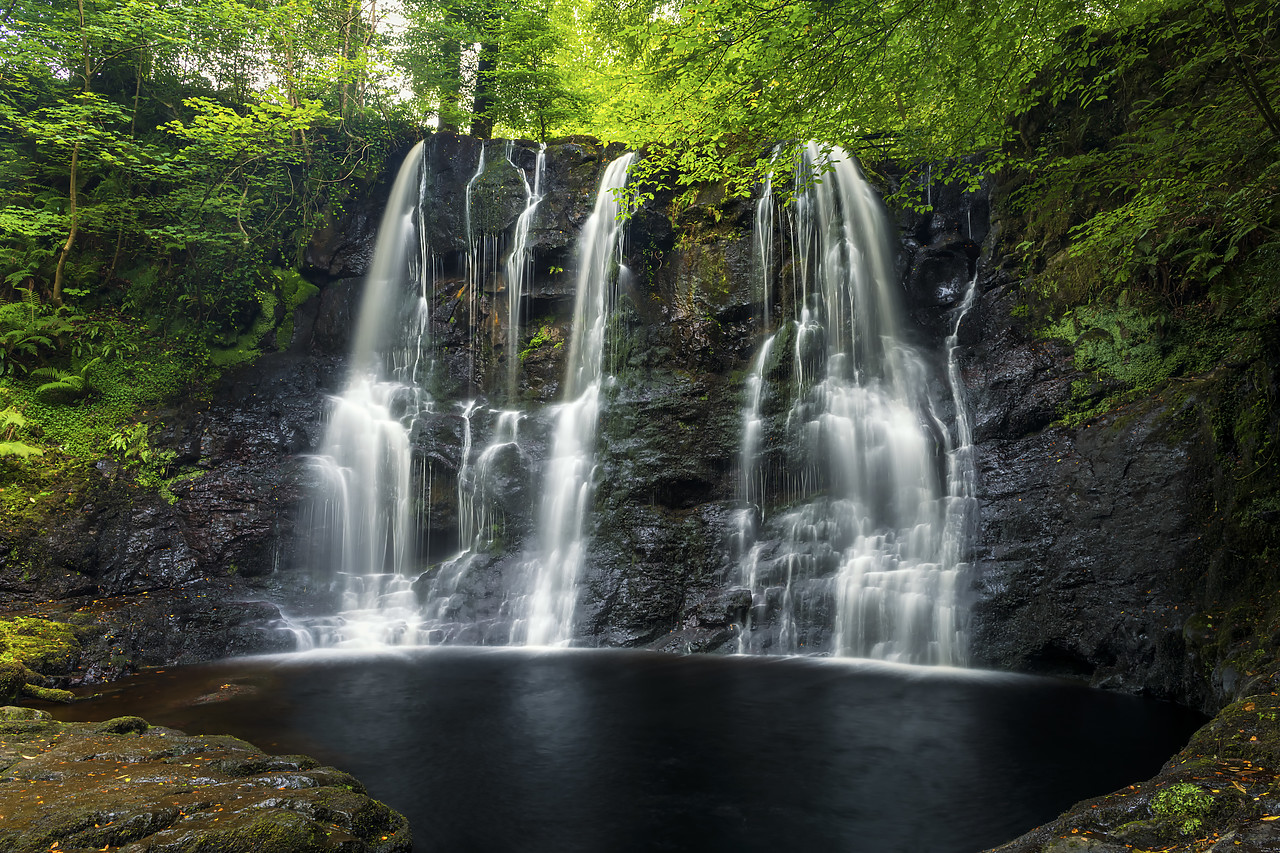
<point>1089,536</point>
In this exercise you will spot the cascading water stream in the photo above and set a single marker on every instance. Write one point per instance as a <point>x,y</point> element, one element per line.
<point>962,468</point>
<point>520,268</point>
<point>480,247</point>
<point>751,481</point>
<point>363,521</point>
<point>762,245</point>
<point>567,482</point>
<point>865,557</point>
<point>478,516</point>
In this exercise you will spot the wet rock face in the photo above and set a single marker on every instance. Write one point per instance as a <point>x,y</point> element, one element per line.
<point>1088,536</point>
<point>78,786</point>
<point>203,620</point>
<point>1087,541</point>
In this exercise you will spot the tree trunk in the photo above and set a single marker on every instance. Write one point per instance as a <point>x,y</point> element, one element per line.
<point>346,59</point>
<point>59,274</point>
<point>482,124</point>
<point>1244,71</point>
<point>451,88</point>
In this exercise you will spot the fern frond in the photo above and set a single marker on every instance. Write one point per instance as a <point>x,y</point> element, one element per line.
<point>17,448</point>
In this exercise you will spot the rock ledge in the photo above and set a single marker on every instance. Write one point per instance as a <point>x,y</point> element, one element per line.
<point>129,786</point>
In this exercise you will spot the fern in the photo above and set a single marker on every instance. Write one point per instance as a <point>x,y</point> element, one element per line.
<point>64,384</point>
<point>12,420</point>
<point>18,448</point>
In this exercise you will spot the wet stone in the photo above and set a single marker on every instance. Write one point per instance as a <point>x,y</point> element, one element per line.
<point>70,786</point>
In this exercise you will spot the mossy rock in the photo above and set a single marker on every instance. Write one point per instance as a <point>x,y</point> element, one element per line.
<point>13,713</point>
<point>31,648</point>
<point>497,196</point>
<point>13,677</point>
<point>123,726</point>
<point>84,786</point>
<point>41,645</point>
<point>47,694</point>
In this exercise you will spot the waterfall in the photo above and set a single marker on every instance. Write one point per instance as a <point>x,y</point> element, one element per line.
<point>478,489</point>
<point>856,488</point>
<point>751,482</point>
<point>762,245</point>
<point>865,553</point>
<point>364,529</point>
<point>962,472</point>
<point>566,490</point>
<point>520,268</point>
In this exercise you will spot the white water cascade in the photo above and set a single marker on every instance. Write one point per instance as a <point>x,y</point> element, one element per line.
<point>364,523</point>
<point>751,482</point>
<point>520,267</point>
<point>480,519</point>
<point>864,556</point>
<point>567,487</point>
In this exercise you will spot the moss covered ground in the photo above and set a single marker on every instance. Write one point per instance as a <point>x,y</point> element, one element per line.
<point>31,648</point>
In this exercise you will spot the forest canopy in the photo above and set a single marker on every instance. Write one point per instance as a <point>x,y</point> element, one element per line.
<point>163,163</point>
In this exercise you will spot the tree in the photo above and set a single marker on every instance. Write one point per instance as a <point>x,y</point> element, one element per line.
<point>903,78</point>
<point>488,64</point>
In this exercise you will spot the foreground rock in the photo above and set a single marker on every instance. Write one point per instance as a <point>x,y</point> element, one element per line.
<point>126,785</point>
<point>1221,793</point>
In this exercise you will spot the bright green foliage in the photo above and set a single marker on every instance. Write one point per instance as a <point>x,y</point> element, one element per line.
<point>11,421</point>
<point>491,64</point>
<point>1184,803</point>
<point>162,167</point>
<point>177,144</point>
<point>902,79</point>
<point>1153,166</point>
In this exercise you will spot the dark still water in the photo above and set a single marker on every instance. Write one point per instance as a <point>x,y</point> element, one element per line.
<point>609,751</point>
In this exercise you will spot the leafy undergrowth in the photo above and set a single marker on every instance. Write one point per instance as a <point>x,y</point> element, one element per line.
<point>84,389</point>
<point>1143,201</point>
<point>1136,345</point>
<point>97,406</point>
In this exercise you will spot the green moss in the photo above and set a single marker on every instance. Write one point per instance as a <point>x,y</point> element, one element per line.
<point>295,290</point>
<point>279,830</point>
<point>166,485</point>
<point>13,677</point>
<point>39,644</point>
<point>245,348</point>
<point>123,725</point>
<point>540,338</point>
<point>1185,804</point>
<point>29,647</point>
<point>48,694</point>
